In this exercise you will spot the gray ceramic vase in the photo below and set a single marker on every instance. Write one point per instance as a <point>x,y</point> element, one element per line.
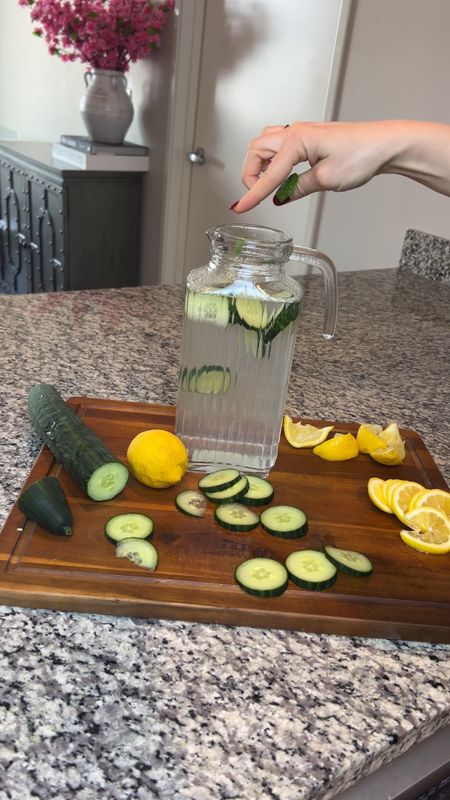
<point>106,107</point>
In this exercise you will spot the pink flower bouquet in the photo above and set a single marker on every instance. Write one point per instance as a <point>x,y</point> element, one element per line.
<point>106,34</point>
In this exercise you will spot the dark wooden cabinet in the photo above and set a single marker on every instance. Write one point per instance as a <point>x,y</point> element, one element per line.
<point>65,228</point>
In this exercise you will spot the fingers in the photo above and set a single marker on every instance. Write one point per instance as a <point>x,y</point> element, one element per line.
<point>261,183</point>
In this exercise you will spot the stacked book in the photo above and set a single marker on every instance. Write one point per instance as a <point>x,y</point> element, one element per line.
<point>82,152</point>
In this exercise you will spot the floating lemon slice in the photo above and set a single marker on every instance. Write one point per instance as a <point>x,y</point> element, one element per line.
<point>368,438</point>
<point>299,435</point>
<point>433,498</point>
<point>401,497</point>
<point>375,488</point>
<point>431,530</point>
<point>341,447</point>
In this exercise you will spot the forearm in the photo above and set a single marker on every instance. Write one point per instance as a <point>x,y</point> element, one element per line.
<point>421,151</point>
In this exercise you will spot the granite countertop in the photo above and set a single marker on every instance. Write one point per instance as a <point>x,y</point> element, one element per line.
<point>124,709</point>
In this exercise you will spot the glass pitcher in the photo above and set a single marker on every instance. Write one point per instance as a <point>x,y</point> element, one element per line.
<point>240,320</point>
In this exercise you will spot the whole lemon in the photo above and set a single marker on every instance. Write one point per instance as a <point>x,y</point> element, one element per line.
<point>157,458</point>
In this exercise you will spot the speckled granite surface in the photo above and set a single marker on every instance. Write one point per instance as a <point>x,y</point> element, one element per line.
<point>427,255</point>
<point>123,709</point>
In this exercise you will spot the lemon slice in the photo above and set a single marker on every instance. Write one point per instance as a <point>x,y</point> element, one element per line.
<point>368,438</point>
<point>433,498</point>
<point>389,487</point>
<point>401,497</point>
<point>299,435</point>
<point>339,448</point>
<point>431,530</point>
<point>375,488</point>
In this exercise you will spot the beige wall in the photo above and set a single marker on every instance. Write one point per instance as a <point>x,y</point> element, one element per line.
<point>39,98</point>
<point>398,67</point>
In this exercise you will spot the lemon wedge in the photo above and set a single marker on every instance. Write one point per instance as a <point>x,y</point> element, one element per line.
<point>375,488</point>
<point>401,497</point>
<point>431,530</point>
<point>299,435</point>
<point>368,438</point>
<point>392,452</point>
<point>340,448</point>
<point>433,498</point>
<point>389,456</point>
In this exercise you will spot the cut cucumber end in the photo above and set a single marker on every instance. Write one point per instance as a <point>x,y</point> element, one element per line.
<point>107,481</point>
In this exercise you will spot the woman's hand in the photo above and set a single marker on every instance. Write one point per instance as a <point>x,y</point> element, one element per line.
<point>344,155</point>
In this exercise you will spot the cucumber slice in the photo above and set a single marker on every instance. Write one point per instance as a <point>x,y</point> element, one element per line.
<point>235,517</point>
<point>262,577</point>
<point>230,495</point>
<point>287,187</point>
<point>128,526</point>
<point>191,503</point>
<point>212,380</point>
<point>218,480</point>
<point>259,492</point>
<point>184,378</point>
<point>140,552</point>
<point>311,570</point>
<point>285,316</point>
<point>204,307</point>
<point>349,561</point>
<point>251,313</point>
<point>287,522</point>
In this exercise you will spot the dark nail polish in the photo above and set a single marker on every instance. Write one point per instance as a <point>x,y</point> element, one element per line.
<point>277,202</point>
<point>233,205</point>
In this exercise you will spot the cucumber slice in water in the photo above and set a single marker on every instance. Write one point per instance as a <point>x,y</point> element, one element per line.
<point>287,522</point>
<point>349,561</point>
<point>230,495</point>
<point>236,517</point>
<point>139,551</point>
<point>262,577</point>
<point>259,492</point>
<point>311,570</point>
<point>127,526</point>
<point>285,316</point>
<point>212,380</point>
<point>218,480</point>
<point>251,312</point>
<point>191,503</point>
<point>205,307</point>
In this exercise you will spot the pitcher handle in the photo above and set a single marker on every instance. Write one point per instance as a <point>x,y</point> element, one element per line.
<point>87,77</point>
<point>315,258</point>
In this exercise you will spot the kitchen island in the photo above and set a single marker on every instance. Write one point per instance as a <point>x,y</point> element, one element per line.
<point>129,709</point>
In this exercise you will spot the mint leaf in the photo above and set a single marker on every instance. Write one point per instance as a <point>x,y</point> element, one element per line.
<point>287,188</point>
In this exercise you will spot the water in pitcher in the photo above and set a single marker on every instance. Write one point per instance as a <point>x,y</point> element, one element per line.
<point>240,320</point>
<point>237,350</point>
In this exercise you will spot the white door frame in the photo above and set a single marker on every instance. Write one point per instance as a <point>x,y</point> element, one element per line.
<point>182,118</point>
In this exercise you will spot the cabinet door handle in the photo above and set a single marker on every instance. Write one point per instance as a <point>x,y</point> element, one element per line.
<point>22,240</point>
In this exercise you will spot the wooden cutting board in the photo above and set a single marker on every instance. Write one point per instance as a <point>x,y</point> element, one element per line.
<point>406,597</point>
